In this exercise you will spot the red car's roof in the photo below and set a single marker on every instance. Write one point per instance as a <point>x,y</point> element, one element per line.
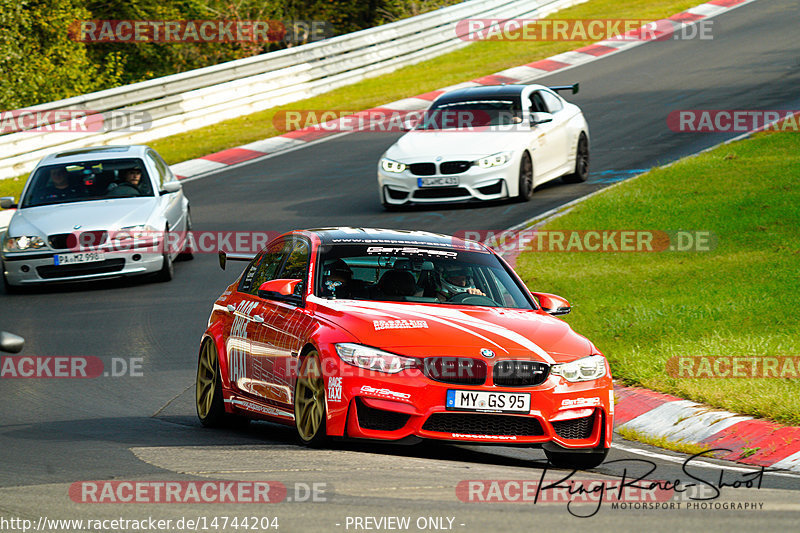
<point>348,235</point>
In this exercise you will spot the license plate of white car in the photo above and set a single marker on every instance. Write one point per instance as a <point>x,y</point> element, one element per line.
<point>86,257</point>
<point>499,402</point>
<point>440,181</point>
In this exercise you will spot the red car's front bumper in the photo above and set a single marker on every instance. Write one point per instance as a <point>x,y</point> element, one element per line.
<point>374,405</point>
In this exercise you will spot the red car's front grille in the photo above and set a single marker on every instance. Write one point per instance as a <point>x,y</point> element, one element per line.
<point>456,370</point>
<point>379,419</point>
<point>578,428</point>
<point>520,373</point>
<point>483,424</point>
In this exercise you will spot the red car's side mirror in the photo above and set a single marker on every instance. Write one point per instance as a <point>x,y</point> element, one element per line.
<point>278,289</point>
<point>552,304</point>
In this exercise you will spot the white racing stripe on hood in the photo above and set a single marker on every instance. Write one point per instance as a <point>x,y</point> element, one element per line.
<point>346,305</point>
<point>423,312</point>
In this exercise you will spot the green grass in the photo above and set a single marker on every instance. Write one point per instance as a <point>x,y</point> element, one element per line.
<point>641,309</point>
<point>747,452</point>
<point>674,445</point>
<point>478,59</point>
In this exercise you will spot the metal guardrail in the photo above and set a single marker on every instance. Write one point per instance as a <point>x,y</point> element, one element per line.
<point>202,97</point>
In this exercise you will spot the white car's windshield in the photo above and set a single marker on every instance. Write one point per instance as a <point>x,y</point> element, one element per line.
<point>468,114</point>
<point>419,274</point>
<point>91,180</point>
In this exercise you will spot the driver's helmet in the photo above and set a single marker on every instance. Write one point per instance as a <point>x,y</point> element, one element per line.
<point>454,278</point>
<point>337,276</point>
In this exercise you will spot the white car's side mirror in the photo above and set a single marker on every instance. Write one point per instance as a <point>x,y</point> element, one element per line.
<point>540,117</point>
<point>7,202</point>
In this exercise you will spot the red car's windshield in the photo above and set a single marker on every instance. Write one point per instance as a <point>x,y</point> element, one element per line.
<point>419,274</point>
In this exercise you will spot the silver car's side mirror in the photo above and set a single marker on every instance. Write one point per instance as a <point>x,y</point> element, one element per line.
<point>172,186</point>
<point>540,117</point>
<point>7,202</point>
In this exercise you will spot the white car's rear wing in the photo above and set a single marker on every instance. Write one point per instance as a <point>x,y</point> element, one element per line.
<point>574,88</point>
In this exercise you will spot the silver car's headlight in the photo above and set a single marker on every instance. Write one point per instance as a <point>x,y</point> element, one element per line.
<point>135,232</point>
<point>373,359</point>
<point>494,160</point>
<point>392,166</point>
<point>584,369</point>
<point>26,242</point>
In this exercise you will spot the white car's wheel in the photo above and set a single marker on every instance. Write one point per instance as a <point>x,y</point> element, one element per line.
<point>525,178</point>
<point>581,162</point>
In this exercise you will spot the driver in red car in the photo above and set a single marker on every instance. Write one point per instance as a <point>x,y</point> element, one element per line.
<point>455,279</point>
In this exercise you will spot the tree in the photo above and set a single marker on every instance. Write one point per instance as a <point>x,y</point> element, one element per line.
<point>39,62</point>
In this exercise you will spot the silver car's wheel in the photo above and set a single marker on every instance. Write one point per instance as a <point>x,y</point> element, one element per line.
<point>167,271</point>
<point>187,254</point>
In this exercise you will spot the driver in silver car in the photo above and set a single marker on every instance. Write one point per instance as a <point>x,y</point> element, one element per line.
<point>130,185</point>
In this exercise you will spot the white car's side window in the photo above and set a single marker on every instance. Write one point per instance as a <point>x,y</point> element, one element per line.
<point>537,103</point>
<point>552,102</point>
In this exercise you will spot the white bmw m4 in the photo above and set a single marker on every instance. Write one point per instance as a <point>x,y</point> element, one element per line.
<point>486,143</point>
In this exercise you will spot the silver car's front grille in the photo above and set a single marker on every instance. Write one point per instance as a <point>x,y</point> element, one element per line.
<point>85,239</point>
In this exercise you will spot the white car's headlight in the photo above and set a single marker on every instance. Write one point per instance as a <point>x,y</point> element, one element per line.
<point>584,369</point>
<point>135,232</point>
<point>494,160</point>
<point>25,242</point>
<point>373,359</point>
<point>392,166</point>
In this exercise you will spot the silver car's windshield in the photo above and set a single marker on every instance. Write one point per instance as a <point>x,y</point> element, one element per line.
<point>418,274</point>
<point>90,180</point>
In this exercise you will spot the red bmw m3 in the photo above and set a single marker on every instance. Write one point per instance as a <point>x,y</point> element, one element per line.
<point>401,336</point>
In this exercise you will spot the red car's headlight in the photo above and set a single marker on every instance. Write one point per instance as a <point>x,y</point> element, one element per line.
<point>584,369</point>
<point>373,359</point>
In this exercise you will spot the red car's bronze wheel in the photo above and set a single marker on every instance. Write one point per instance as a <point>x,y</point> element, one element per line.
<point>309,401</point>
<point>208,391</point>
